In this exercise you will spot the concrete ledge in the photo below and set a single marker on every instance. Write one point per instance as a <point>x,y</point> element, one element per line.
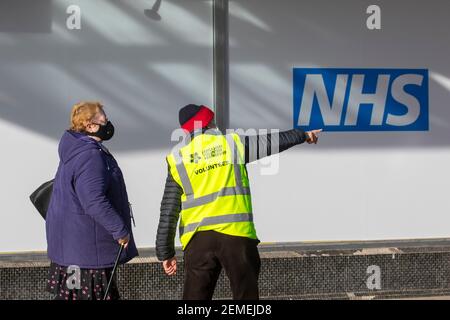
<point>410,268</point>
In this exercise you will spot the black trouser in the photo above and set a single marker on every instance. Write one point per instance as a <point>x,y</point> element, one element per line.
<point>208,252</point>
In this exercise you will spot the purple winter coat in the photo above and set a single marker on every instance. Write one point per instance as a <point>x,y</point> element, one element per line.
<point>89,209</point>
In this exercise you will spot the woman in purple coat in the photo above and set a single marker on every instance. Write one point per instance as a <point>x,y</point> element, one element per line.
<point>89,214</point>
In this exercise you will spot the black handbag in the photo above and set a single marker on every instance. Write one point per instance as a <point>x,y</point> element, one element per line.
<point>41,197</point>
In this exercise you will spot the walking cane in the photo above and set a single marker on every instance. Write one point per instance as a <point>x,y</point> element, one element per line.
<point>114,270</point>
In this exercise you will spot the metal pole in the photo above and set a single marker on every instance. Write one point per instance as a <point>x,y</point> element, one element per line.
<point>220,64</point>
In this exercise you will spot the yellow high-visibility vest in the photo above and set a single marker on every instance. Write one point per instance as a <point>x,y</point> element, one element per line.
<point>216,191</point>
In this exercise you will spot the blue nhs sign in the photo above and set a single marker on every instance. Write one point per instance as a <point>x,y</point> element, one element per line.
<point>361,99</point>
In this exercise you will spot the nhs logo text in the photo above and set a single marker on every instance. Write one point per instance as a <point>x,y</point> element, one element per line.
<point>361,99</point>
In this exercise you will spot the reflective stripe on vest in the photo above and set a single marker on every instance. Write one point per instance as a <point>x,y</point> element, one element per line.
<point>227,191</point>
<point>183,175</point>
<point>228,218</point>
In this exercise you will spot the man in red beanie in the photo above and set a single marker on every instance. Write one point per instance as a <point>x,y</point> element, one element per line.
<point>208,191</point>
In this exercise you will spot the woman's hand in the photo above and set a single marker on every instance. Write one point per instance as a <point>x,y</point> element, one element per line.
<point>124,241</point>
<point>170,266</point>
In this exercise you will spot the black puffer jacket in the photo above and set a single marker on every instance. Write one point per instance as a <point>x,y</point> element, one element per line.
<point>256,147</point>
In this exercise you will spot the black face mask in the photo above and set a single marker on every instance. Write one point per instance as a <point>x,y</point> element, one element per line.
<point>105,132</point>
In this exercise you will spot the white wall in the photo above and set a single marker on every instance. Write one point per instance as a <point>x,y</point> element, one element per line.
<point>355,185</point>
<point>143,70</point>
<point>352,186</point>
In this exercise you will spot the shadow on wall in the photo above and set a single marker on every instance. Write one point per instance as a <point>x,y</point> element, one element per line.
<point>33,16</point>
<point>153,12</point>
<point>142,69</point>
<point>145,59</point>
<point>267,41</point>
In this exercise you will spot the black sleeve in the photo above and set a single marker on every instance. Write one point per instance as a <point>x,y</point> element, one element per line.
<point>170,212</point>
<point>263,145</point>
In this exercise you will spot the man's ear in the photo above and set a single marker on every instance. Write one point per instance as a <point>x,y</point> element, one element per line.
<point>212,125</point>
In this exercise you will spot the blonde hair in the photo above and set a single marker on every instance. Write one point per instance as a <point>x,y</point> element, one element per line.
<point>83,113</point>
